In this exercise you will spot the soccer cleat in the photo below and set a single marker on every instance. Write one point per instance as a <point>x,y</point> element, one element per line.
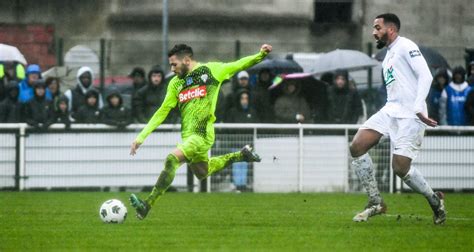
<point>249,154</point>
<point>369,211</point>
<point>439,211</point>
<point>140,206</point>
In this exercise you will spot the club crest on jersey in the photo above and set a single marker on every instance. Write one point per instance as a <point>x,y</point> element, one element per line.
<point>193,93</point>
<point>414,53</point>
<point>204,78</point>
<point>389,78</point>
<point>189,81</point>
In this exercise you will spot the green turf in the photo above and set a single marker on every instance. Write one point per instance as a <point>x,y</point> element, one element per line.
<point>232,222</point>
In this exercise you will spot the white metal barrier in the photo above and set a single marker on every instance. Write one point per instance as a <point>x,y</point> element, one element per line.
<point>304,158</point>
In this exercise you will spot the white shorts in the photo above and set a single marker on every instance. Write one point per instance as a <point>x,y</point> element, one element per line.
<point>406,134</point>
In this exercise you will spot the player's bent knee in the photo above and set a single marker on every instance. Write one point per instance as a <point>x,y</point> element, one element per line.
<point>356,150</point>
<point>171,162</point>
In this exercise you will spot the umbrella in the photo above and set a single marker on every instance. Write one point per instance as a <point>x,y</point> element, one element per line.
<point>434,59</point>
<point>11,53</point>
<point>280,78</point>
<point>277,66</point>
<point>341,59</point>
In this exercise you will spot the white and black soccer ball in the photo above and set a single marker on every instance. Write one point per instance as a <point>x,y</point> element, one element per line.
<point>113,211</point>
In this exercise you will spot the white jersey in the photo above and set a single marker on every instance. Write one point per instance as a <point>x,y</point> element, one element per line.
<point>408,79</point>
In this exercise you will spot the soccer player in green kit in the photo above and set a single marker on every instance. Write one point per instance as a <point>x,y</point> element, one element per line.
<point>195,90</point>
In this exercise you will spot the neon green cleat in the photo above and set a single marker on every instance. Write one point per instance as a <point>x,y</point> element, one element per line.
<point>140,206</point>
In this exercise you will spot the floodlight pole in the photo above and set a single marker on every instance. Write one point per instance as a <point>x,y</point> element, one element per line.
<point>165,34</point>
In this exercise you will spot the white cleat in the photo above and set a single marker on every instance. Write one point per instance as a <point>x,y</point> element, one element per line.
<point>439,216</point>
<point>369,211</point>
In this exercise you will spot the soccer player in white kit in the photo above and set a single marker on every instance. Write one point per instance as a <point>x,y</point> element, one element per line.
<point>403,119</point>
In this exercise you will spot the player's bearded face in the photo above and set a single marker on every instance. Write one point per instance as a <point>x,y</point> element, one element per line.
<point>183,71</point>
<point>180,67</point>
<point>381,41</point>
<point>380,33</point>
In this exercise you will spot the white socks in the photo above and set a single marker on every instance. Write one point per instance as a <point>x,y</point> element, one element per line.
<point>364,169</point>
<point>415,180</point>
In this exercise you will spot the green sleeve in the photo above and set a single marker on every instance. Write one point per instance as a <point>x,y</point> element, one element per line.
<point>227,70</point>
<point>160,115</point>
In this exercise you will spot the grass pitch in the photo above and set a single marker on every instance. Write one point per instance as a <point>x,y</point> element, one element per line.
<point>232,222</point>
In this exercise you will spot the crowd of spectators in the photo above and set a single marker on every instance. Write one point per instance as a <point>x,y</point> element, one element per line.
<point>451,100</point>
<point>335,100</point>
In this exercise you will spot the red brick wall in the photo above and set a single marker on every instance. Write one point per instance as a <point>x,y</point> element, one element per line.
<point>35,41</point>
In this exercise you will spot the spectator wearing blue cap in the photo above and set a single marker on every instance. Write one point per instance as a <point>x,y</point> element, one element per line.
<point>26,86</point>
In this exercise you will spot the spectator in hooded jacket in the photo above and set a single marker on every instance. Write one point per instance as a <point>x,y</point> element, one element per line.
<point>39,112</point>
<point>138,78</point>
<point>53,84</point>
<point>10,72</point>
<point>291,107</point>
<point>470,74</point>
<point>115,113</point>
<point>26,89</point>
<point>150,97</point>
<point>10,108</point>
<point>262,97</point>
<point>344,103</point>
<point>242,111</point>
<point>453,98</point>
<point>76,95</point>
<point>242,83</point>
<point>89,112</point>
<point>440,81</point>
<point>62,112</point>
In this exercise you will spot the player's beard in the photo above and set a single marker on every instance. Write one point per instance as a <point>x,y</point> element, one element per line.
<point>184,71</point>
<point>382,42</point>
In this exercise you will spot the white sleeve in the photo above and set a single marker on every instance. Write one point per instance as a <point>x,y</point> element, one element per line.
<point>423,75</point>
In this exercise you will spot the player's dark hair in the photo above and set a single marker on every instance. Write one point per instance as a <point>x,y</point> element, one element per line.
<point>390,18</point>
<point>181,50</point>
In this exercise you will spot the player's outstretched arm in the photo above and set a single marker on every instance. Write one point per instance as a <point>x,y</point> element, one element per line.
<point>227,70</point>
<point>160,115</point>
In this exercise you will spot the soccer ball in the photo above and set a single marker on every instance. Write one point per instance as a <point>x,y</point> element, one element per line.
<point>113,211</point>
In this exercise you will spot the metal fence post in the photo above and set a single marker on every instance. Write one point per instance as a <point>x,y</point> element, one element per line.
<point>300,159</point>
<point>346,134</point>
<point>189,179</point>
<point>102,65</point>
<point>59,51</point>
<point>21,156</point>
<point>237,49</point>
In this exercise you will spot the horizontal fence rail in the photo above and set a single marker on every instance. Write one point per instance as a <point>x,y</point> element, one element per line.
<point>295,158</point>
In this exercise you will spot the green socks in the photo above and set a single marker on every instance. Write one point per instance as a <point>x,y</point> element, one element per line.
<point>172,163</point>
<point>220,162</point>
<point>165,179</point>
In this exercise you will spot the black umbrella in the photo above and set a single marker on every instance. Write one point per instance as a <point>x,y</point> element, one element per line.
<point>434,59</point>
<point>277,66</point>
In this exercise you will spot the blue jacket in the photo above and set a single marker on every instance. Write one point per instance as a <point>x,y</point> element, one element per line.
<point>26,92</point>
<point>455,113</point>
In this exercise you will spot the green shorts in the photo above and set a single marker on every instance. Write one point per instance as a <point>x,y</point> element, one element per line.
<point>196,149</point>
